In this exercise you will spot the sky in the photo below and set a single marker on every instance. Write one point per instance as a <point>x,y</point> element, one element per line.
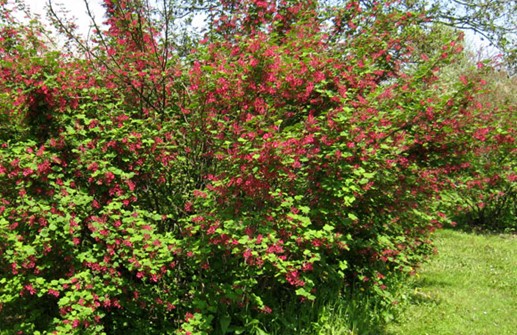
<point>77,9</point>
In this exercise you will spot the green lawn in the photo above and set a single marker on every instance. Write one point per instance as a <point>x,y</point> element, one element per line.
<point>469,287</point>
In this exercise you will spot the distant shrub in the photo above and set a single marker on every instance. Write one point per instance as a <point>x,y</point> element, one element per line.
<point>485,194</point>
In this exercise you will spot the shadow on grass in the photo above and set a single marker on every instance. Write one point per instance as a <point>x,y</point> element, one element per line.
<point>429,282</point>
<point>489,225</point>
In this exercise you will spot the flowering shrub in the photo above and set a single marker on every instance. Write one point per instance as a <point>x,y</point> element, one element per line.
<point>485,196</point>
<point>148,191</point>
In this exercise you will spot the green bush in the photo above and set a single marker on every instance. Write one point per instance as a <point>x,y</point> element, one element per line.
<point>485,195</point>
<point>150,192</point>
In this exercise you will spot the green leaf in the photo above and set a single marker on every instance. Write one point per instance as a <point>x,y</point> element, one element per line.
<point>328,228</point>
<point>304,293</point>
<point>352,216</point>
<point>225,323</point>
<point>304,209</point>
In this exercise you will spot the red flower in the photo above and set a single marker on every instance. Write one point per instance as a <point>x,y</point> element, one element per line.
<point>266,310</point>
<point>29,288</point>
<point>53,292</point>
<point>293,278</point>
<point>188,316</point>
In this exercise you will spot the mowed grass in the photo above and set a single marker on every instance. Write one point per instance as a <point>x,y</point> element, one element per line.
<point>469,287</point>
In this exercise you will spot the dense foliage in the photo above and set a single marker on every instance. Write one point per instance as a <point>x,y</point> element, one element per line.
<point>153,190</point>
<point>486,196</point>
